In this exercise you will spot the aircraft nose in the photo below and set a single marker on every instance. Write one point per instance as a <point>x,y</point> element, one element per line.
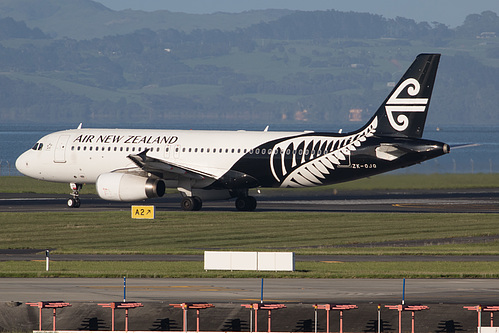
<point>22,163</point>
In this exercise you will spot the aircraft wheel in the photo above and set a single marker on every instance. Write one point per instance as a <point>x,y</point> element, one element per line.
<point>191,203</point>
<point>187,204</point>
<point>198,203</point>
<point>252,204</point>
<point>246,204</point>
<point>74,203</point>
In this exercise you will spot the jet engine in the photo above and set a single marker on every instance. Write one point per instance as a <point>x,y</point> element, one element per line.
<point>126,187</point>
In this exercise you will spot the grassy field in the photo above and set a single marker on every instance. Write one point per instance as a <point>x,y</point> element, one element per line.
<point>301,232</point>
<point>161,269</point>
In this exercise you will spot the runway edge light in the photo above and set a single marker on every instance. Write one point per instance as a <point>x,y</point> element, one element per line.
<point>143,212</point>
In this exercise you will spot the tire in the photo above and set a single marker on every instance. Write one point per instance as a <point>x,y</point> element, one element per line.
<point>187,204</point>
<point>252,204</point>
<point>246,204</point>
<point>198,203</point>
<point>74,203</point>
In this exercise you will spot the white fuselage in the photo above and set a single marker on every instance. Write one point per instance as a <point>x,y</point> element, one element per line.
<point>81,155</point>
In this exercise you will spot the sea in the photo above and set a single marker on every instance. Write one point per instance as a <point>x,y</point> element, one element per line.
<point>474,149</point>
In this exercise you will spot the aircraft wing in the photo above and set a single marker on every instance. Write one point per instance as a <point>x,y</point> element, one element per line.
<point>154,165</point>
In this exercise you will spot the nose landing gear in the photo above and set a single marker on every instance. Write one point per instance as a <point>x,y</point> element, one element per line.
<point>74,201</point>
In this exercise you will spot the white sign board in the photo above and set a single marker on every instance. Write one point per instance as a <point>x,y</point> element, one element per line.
<point>249,261</point>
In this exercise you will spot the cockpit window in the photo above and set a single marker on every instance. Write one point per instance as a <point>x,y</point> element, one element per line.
<point>37,146</point>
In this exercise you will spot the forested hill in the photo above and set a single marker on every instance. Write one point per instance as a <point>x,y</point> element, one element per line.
<point>312,67</point>
<point>87,19</point>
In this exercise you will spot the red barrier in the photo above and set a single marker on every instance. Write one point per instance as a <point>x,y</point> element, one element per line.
<point>187,306</point>
<point>120,305</point>
<point>412,308</point>
<point>479,309</point>
<point>329,307</point>
<point>263,306</point>
<point>44,305</point>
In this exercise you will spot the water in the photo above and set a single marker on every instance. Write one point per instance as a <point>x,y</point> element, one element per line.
<point>483,158</point>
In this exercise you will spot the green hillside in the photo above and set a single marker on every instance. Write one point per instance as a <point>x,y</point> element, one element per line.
<point>267,67</point>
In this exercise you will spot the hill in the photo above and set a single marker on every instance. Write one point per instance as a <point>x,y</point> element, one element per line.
<point>86,19</point>
<point>311,67</point>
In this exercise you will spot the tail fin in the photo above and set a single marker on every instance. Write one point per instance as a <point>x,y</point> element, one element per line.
<point>404,111</point>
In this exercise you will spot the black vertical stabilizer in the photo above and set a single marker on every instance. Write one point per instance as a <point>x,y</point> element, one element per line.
<point>403,113</point>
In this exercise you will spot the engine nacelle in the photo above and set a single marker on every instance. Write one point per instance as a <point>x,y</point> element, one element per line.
<point>126,187</point>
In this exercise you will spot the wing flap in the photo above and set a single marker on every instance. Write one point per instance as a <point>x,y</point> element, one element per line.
<point>154,165</point>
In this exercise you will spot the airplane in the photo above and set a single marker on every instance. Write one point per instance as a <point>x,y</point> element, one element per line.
<point>137,164</point>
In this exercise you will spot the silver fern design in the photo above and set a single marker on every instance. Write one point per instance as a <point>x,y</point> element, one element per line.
<point>313,157</point>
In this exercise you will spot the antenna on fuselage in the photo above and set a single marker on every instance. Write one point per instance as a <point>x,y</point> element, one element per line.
<point>266,129</point>
<point>79,126</point>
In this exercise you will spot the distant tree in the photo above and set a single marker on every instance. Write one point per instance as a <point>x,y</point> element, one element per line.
<point>9,28</point>
<point>475,24</point>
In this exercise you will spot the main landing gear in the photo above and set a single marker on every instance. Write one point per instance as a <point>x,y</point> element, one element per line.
<point>74,201</point>
<point>191,203</point>
<point>246,204</point>
<point>243,204</point>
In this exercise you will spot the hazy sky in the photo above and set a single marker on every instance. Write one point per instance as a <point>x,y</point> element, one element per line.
<point>449,12</point>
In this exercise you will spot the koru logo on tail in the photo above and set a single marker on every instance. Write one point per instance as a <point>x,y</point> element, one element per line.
<point>404,105</point>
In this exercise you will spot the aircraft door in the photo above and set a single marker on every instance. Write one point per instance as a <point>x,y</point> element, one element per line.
<point>60,149</point>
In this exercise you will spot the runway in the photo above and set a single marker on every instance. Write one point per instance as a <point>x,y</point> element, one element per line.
<point>424,291</point>
<point>400,201</point>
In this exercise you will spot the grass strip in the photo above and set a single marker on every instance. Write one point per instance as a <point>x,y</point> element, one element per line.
<point>156,269</point>
<point>300,232</point>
